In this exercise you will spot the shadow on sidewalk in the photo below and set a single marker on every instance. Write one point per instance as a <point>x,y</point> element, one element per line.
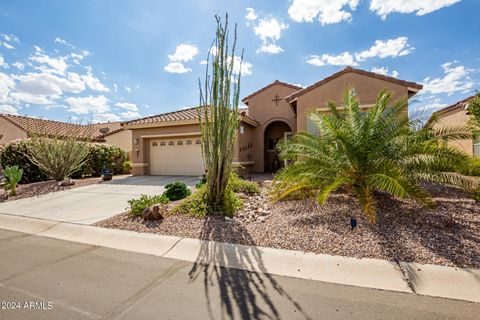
<point>243,294</point>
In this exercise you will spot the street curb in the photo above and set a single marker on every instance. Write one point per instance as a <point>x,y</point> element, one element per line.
<point>430,280</point>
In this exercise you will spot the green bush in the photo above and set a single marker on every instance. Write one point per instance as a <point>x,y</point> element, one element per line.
<point>99,155</point>
<point>203,180</point>
<point>176,191</point>
<point>136,206</point>
<point>15,153</point>
<point>12,177</point>
<point>196,204</point>
<point>238,184</point>
<point>103,155</point>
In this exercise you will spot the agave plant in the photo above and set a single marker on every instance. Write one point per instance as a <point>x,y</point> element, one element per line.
<point>12,175</point>
<point>366,151</point>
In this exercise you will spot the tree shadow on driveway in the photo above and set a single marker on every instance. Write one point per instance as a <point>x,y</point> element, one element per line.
<point>243,294</point>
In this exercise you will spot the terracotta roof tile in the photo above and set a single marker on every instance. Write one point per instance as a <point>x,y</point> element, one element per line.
<point>358,71</point>
<point>44,126</point>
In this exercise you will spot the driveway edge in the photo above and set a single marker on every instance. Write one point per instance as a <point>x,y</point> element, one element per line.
<point>430,280</point>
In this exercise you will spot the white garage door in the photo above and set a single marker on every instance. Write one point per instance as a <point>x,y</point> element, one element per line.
<point>176,156</point>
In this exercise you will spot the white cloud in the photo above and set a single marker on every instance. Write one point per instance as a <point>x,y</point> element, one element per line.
<point>8,45</point>
<point>89,104</point>
<point>2,61</point>
<point>127,106</point>
<point>246,66</point>
<point>128,89</point>
<point>115,87</point>
<point>456,79</point>
<point>385,7</point>
<point>10,38</point>
<point>251,15</point>
<point>343,59</point>
<point>129,115</point>
<point>176,67</point>
<point>184,52</point>
<point>94,83</point>
<point>18,65</point>
<point>384,71</point>
<point>57,65</point>
<point>6,85</point>
<point>326,11</point>
<point>269,29</point>
<point>38,49</point>
<point>203,62</point>
<point>106,117</point>
<point>391,48</point>
<point>78,57</point>
<point>270,48</point>
<point>5,108</point>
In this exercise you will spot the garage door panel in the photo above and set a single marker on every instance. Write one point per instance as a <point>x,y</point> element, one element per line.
<point>176,157</point>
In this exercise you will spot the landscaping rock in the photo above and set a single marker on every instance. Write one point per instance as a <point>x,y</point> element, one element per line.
<point>439,220</point>
<point>66,183</point>
<point>155,212</point>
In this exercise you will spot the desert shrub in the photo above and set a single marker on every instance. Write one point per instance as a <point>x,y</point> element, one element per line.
<point>238,184</point>
<point>196,204</point>
<point>12,177</point>
<point>16,153</point>
<point>58,157</point>
<point>176,191</point>
<point>136,206</point>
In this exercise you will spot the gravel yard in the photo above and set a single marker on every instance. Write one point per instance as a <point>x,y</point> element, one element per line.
<point>40,188</point>
<point>404,230</point>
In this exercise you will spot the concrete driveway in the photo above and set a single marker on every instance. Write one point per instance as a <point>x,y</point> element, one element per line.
<point>93,203</point>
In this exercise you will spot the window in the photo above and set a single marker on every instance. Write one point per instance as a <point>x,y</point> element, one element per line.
<point>476,145</point>
<point>171,143</point>
<point>162,143</point>
<point>189,141</point>
<point>180,143</point>
<point>154,144</point>
<point>242,129</point>
<point>312,125</point>
<point>198,142</point>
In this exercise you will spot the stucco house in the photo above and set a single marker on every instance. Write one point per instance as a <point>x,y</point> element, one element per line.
<point>170,143</point>
<point>14,127</point>
<point>456,114</point>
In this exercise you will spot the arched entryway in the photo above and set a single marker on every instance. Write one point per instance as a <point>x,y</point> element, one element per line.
<point>273,133</point>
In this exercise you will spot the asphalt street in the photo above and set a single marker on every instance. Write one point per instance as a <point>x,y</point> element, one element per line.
<point>44,278</point>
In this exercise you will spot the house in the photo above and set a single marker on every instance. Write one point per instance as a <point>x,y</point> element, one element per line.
<point>170,143</point>
<point>14,127</point>
<point>456,114</point>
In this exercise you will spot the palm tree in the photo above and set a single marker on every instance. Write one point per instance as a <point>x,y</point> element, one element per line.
<point>369,151</point>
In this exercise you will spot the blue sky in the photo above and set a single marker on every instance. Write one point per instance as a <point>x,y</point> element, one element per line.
<point>116,60</point>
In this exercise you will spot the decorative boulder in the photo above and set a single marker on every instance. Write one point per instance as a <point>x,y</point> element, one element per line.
<point>66,183</point>
<point>154,212</point>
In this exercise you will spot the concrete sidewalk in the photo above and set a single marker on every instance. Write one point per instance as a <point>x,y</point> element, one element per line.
<point>429,280</point>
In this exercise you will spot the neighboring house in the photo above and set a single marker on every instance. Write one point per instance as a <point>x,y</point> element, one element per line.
<point>456,115</point>
<point>170,143</point>
<point>14,127</point>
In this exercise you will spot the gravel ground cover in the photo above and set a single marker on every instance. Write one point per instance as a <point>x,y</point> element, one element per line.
<point>404,231</point>
<point>40,188</point>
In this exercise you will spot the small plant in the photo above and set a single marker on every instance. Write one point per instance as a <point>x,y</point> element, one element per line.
<point>238,184</point>
<point>138,205</point>
<point>196,206</point>
<point>203,181</point>
<point>176,191</point>
<point>13,175</point>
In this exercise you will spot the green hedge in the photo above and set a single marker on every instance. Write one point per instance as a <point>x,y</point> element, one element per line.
<point>99,155</point>
<point>14,154</point>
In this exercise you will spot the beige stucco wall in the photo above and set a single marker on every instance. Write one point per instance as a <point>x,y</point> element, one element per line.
<point>265,111</point>
<point>334,90</point>
<point>456,117</point>
<point>121,139</point>
<point>10,132</point>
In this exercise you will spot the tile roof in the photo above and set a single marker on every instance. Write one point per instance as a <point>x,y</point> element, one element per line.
<point>44,126</point>
<point>459,104</point>
<point>412,85</point>
<point>244,100</point>
<point>180,115</point>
